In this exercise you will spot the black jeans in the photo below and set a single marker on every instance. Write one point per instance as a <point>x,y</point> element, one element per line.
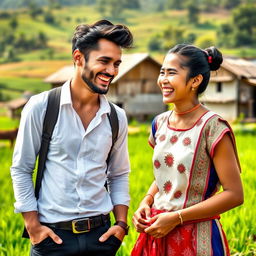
<point>84,244</point>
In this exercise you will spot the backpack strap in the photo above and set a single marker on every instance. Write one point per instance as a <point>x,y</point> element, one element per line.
<point>51,116</point>
<point>113,120</point>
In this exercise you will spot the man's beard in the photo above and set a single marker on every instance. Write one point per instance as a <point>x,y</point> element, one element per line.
<point>92,86</point>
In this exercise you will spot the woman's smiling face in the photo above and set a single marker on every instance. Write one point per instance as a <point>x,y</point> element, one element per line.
<point>173,79</point>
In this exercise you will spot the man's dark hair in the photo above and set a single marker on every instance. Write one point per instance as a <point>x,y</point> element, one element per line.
<point>86,37</point>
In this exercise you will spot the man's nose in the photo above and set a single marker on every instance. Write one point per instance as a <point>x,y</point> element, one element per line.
<point>112,70</point>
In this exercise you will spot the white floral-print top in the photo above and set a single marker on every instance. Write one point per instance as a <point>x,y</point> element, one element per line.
<point>174,160</point>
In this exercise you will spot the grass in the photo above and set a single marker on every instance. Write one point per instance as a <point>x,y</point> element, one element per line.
<point>13,87</point>
<point>238,223</point>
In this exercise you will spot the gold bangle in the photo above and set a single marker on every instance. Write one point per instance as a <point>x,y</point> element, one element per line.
<point>180,217</point>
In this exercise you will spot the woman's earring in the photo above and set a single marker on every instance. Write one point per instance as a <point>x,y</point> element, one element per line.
<point>193,89</point>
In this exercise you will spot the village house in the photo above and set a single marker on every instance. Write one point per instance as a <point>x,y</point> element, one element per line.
<point>15,106</point>
<point>232,90</point>
<point>134,88</point>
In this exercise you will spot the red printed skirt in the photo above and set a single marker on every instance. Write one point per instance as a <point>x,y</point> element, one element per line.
<point>185,240</point>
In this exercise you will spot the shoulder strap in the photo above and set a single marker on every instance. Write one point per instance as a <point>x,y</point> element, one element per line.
<point>50,120</point>
<point>113,120</point>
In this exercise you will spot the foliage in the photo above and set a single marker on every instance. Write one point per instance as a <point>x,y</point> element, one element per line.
<point>241,243</point>
<point>49,17</point>
<point>205,41</point>
<point>168,38</point>
<point>193,12</point>
<point>13,23</point>
<point>146,23</point>
<point>240,31</point>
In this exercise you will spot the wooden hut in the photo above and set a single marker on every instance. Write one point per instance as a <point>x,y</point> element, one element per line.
<point>134,89</point>
<point>232,90</point>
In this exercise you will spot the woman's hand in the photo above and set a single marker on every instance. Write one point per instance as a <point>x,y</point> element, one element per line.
<point>162,224</point>
<point>141,218</point>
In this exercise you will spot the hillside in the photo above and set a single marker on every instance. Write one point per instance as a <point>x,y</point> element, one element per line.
<point>144,25</point>
<point>52,47</point>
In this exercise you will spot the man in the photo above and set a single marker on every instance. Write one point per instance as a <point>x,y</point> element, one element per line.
<point>75,173</point>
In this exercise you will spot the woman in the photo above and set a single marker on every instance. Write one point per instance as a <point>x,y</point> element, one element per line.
<point>194,153</point>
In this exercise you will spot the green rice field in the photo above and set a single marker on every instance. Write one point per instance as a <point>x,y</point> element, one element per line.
<point>239,223</point>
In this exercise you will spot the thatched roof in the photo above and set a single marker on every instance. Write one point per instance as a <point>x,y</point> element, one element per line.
<point>237,68</point>
<point>240,67</point>
<point>129,61</point>
<point>16,103</point>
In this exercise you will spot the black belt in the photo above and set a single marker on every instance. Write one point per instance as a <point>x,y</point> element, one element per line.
<point>81,225</point>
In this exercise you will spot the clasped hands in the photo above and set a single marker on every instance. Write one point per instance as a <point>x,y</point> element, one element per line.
<point>157,226</point>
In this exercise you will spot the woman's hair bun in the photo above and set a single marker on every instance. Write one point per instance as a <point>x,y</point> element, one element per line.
<point>214,57</point>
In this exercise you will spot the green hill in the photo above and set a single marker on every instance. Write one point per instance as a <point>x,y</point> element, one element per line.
<point>39,45</point>
<point>21,30</point>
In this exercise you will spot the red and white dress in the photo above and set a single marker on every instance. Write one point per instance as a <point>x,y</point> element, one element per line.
<point>185,175</point>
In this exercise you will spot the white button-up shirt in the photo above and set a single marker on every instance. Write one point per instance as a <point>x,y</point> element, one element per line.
<point>75,173</point>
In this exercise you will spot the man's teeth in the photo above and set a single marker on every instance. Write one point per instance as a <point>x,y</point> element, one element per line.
<point>104,78</point>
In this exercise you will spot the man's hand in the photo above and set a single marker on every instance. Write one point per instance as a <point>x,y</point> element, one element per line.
<point>115,230</point>
<point>39,232</point>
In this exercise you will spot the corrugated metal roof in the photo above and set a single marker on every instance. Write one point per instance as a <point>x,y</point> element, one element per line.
<point>129,61</point>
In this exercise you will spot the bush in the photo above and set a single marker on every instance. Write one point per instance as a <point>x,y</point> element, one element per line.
<point>205,41</point>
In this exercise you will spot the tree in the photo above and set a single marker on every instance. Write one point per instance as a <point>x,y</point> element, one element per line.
<point>132,4</point>
<point>101,7</point>
<point>167,39</point>
<point>175,4</point>
<point>155,43</point>
<point>116,8</point>
<point>14,23</point>
<point>193,12</point>
<point>227,4</point>
<point>42,39</point>
<point>205,41</point>
<point>34,10</point>
<point>241,30</point>
<point>49,18</point>
<point>244,18</point>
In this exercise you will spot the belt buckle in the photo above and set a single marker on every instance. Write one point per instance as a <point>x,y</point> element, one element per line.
<point>74,226</point>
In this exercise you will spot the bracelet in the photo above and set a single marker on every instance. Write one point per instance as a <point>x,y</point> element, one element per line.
<point>149,195</point>
<point>180,217</point>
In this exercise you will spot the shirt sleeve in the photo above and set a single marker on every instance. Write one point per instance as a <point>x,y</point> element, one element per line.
<point>215,129</point>
<point>25,152</point>
<point>119,165</point>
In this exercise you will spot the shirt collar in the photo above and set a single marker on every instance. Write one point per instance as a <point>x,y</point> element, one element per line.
<point>65,98</point>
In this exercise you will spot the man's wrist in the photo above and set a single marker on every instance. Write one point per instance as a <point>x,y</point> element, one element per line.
<point>123,225</point>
